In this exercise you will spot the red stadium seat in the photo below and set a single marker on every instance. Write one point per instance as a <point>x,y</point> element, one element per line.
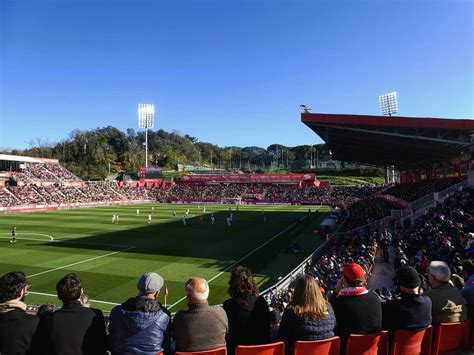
<point>412,342</point>
<point>450,337</point>
<point>330,346</point>
<point>265,349</point>
<point>367,344</point>
<point>218,351</point>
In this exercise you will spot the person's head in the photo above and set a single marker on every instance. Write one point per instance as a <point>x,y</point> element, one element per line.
<point>409,280</point>
<point>457,281</point>
<point>353,274</point>
<point>197,290</point>
<point>242,282</point>
<point>468,268</point>
<point>438,273</point>
<point>69,288</point>
<point>46,309</point>
<point>13,286</point>
<point>149,285</point>
<point>307,300</point>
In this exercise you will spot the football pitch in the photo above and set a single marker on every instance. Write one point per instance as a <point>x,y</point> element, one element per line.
<point>109,257</point>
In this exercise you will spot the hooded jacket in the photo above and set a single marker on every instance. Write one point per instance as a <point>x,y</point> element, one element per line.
<point>249,321</point>
<point>16,328</point>
<point>139,326</point>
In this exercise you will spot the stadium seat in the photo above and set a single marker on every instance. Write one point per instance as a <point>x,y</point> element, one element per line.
<point>330,346</point>
<point>412,342</point>
<point>367,344</point>
<point>450,337</point>
<point>218,351</point>
<point>265,349</point>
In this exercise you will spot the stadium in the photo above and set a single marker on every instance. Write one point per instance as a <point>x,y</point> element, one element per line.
<point>167,189</point>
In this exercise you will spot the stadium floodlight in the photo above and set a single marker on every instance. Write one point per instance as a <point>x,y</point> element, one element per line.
<point>388,103</point>
<point>146,120</point>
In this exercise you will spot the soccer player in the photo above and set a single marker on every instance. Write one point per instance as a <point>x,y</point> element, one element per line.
<point>138,212</point>
<point>184,220</point>
<point>229,221</point>
<point>204,209</point>
<point>187,212</point>
<point>13,240</point>
<point>114,217</point>
<point>117,219</point>
<point>174,214</point>
<point>213,219</point>
<point>149,218</point>
<point>231,216</point>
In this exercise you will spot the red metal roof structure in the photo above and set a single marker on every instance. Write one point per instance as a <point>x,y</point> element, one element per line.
<point>405,142</point>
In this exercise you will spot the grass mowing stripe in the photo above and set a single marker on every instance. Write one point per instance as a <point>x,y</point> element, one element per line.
<point>80,262</point>
<point>241,259</point>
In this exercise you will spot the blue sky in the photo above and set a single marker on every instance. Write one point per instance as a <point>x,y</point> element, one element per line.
<point>227,72</point>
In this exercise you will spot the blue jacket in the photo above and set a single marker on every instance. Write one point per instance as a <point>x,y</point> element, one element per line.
<point>293,328</point>
<point>468,294</point>
<point>139,326</point>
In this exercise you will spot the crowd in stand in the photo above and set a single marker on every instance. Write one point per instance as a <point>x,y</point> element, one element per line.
<point>42,172</point>
<point>56,194</point>
<point>414,191</point>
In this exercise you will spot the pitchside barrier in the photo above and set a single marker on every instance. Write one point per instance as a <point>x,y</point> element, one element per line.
<point>69,206</point>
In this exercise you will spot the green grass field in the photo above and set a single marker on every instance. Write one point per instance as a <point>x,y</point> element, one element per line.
<point>110,257</point>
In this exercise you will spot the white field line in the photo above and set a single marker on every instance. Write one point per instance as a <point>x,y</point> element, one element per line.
<point>238,261</point>
<point>26,233</point>
<point>80,262</point>
<point>51,295</point>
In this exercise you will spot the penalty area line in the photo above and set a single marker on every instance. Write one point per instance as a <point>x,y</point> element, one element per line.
<point>52,295</point>
<point>238,261</point>
<point>80,262</point>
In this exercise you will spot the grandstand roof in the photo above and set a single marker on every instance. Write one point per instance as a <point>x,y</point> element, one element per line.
<point>20,159</point>
<point>405,142</point>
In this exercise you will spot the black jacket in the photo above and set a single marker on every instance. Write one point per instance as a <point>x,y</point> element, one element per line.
<point>72,330</point>
<point>360,314</point>
<point>249,321</point>
<point>410,312</point>
<point>16,331</point>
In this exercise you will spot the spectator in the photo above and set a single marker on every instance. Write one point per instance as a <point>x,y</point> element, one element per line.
<point>411,311</point>
<point>73,329</point>
<point>357,310</point>
<point>141,324</point>
<point>448,303</point>
<point>308,317</point>
<point>275,319</point>
<point>16,327</point>
<point>248,313</point>
<point>201,327</point>
<point>46,309</point>
<point>468,290</point>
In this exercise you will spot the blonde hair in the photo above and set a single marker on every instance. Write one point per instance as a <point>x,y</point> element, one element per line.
<point>307,300</point>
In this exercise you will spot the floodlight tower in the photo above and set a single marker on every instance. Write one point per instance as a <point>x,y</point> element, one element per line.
<point>389,106</point>
<point>388,103</point>
<point>146,120</point>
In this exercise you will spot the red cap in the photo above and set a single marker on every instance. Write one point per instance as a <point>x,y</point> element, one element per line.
<point>354,273</point>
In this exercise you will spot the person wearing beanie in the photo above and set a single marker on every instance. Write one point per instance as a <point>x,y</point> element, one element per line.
<point>411,311</point>
<point>141,325</point>
<point>357,310</point>
<point>449,305</point>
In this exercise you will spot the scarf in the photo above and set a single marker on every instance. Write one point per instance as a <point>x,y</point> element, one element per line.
<point>12,305</point>
<point>353,291</point>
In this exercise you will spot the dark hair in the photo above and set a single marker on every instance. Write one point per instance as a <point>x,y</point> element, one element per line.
<point>69,288</point>
<point>241,282</point>
<point>468,266</point>
<point>11,284</point>
<point>46,309</point>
